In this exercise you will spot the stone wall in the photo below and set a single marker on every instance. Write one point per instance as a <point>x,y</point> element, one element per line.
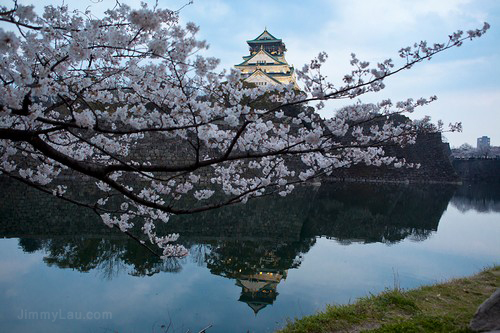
<point>429,151</point>
<point>339,210</point>
<point>478,170</point>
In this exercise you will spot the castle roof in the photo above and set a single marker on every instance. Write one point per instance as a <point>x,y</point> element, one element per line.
<point>266,63</point>
<point>263,54</point>
<point>258,72</point>
<point>264,37</point>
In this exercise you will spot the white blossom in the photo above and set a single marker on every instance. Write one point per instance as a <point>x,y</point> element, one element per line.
<point>82,94</point>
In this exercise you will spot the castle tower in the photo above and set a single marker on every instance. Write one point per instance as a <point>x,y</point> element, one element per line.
<point>259,290</point>
<point>266,63</point>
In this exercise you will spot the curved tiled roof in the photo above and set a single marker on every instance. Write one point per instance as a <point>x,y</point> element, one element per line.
<point>267,53</point>
<point>265,74</point>
<point>257,40</point>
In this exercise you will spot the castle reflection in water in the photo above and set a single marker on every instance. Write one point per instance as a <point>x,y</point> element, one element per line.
<point>254,244</point>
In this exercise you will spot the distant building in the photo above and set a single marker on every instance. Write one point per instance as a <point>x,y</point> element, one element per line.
<point>266,63</point>
<point>483,143</point>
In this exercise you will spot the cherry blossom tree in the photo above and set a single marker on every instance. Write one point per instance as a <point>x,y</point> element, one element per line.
<point>79,93</point>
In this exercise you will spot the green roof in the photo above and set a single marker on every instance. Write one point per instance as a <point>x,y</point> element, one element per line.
<point>257,40</point>
<point>264,41</point>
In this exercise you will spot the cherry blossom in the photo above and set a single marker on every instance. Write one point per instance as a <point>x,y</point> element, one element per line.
<point>80,95</point>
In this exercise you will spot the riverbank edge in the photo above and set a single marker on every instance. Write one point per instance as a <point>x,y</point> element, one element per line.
<point>442,307</point>
<point>391,181</point>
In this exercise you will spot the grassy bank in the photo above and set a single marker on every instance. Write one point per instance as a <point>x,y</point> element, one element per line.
<point>444,307</point>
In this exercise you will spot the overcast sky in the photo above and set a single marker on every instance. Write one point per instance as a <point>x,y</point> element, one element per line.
<point>466,80</point>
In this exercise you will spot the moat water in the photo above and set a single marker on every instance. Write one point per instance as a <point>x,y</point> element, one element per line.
<point>250,267</point>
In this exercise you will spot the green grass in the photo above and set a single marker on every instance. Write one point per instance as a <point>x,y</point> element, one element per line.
<point>444,307</point>
<point>422,324</point>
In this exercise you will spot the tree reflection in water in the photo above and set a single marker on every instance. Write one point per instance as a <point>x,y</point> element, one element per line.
<point>110,257</point>
<point>481,197</point>
<point>254,244</point>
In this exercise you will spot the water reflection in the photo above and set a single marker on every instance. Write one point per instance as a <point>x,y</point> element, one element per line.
<point>481,197</point>
<point>255,245</point>
<point>257,267</point>
<point>110,257</point>
<point>386,214</point>
<point>260,290</point>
